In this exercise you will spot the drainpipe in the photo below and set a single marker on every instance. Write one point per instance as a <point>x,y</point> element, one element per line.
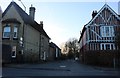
<point>40,47</point>
<point>23,47</point>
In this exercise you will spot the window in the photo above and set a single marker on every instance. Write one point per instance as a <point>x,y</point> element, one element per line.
<point>13,54</point>
<point>107,31</point>
<point>15,32</point>
<point>112,47</point>
<point>6,31</point>
<point>107,46</point>
<point>102,47</point>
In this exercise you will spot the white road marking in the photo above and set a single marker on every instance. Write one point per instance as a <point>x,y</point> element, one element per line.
<point>62,66</point>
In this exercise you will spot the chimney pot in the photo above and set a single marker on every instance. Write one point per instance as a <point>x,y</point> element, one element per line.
<point>41,24</point>
<point>32,11</point>
<point>94,13</point>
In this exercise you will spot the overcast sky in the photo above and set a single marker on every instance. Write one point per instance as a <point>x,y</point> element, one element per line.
<point>63,19</point>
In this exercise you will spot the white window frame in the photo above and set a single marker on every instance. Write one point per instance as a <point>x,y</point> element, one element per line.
<point>13,50</point>
<point>4,31</point>
<point>103,31</point>
<point>15,31</point>
<point>104,44</point>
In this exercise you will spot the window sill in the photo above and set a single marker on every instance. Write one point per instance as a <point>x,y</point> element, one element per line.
<point>5,38</point>
<point>15,38</point>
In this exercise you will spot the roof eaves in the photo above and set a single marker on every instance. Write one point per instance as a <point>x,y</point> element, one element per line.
<point>6,9</point>
<point>83,30</point>
<point>12,20</point>
<point>101,11</point>
<point>95,16</point>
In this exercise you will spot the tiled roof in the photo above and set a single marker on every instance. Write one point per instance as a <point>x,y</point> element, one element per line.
<point>53,45</point>
<point>26,18</point>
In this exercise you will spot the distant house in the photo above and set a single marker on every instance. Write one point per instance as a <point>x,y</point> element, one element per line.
<point>27,39</point>
<point>97,40</point>
<point>55,51</point>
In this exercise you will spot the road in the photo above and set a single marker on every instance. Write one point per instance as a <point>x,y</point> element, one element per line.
<point>58,68</point>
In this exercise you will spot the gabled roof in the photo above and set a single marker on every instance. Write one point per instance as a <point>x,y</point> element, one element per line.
<point>26,18</point>
<point>83,30</point>
<point>105,6</point>
<point>53,45</point>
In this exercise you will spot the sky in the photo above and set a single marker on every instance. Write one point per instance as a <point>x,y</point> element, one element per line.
<point>63,19</point>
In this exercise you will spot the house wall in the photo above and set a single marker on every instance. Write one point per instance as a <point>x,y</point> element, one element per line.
<point>96,54</point>
<point>105,18</point>
<point>31,38</point>
<point>12,13</point>
<point>51,53</point>
<point>44,47</point>
<point>35,44</point>
<point>31,43</point>
<point>84,41</point>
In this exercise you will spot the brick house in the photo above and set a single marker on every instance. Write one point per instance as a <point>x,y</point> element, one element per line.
<point>27,39</point>
<point>97,40</point>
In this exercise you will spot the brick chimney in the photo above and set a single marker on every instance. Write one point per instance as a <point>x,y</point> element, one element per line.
<point>32,12</point>
<point>94,13</point>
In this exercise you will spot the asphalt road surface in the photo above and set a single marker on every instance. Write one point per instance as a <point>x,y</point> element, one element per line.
<point>58,68</point>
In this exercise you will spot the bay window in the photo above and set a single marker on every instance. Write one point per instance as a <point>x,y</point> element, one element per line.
<point>6,31</point>
<point>10,30</point>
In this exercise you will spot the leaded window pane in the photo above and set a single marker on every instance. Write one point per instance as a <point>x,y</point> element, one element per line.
<point>6,32</point>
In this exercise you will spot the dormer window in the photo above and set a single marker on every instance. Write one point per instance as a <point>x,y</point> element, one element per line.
<point>6,31</point>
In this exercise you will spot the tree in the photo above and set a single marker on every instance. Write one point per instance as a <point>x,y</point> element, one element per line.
<point>71,46</point>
